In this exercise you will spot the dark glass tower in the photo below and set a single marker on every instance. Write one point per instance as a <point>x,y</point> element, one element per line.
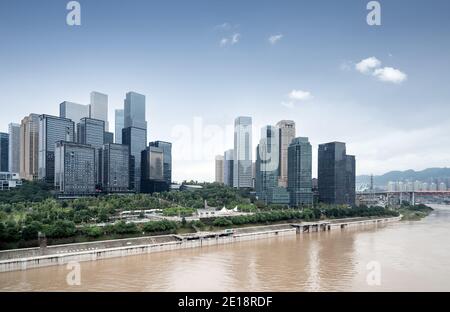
<point>336,174</point>
<point>300,172</point>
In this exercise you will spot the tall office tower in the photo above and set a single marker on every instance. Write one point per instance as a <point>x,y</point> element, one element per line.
<point>119,122</point>
<point>14,148</point>
<point>219,169</point>
<point>267,168</point>
<point>153,170</point>
<point>92,132</point>
<point>4,152</point>
<point>228,167</point>
<point>29,147</point>
<point>51,130</point>
<point>98,109</point>
<point>167,151</point>
<point>74,168</point>
<point>287,134</point>
<point>242,171</point>
<point>108,138</point>
<point>134,134</point>
<point>336,174</point>
<point>114,159</point>
<point>300,172</point>
<point>73,111</point>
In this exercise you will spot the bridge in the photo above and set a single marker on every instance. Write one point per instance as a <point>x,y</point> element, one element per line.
<point>400,196</point>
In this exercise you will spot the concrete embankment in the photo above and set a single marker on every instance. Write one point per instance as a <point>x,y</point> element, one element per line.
<point>22,259</point>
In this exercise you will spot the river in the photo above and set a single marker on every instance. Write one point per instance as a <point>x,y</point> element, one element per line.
<point>403,256</point>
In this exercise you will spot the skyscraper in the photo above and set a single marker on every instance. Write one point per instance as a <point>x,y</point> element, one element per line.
<point>336,174</point>
<point>74,168</point>
<point>267,168</point>
<point>300,172</point>
<point>153,170</point>
<point>14,148</point>
<point>73,111</point>
<point>51,130</point>
<point>134,134</point>
<point>99,108</point>
<point>108,138</point>
<point>219,169</point>
<point>167,158</point>
<point>287,134</point>
<point>242,171</point>
<point>4,152</point>
<point>119,123</point>
<point>228,167</point>
<point>29,147</point>
<point>114,159</point>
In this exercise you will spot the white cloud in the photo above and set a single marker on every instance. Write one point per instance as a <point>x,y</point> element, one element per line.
<point>232,40</point>
<point>389,74</point>
<point>288,104</point>
<point>224,26</point>
<point>299,95</point>
<point>367,65</point>
<point>275,38</point>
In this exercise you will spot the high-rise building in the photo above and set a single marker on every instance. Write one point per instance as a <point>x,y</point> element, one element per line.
<point>52,129</point>
<point>119,123</point>
<point>336,174</point>
<point>267,168</point>
<point>98,108</point>
<point>134,134</point>
<point>4,152</point>
<point>92,132</point>
<point>74,168</point>
<point>167,153</point>
<point>287,134</point>
<point>114,159</point>
<point>108,138</point>
<point>29,147</point>
<point>73,111</point>
<point>219,169</point>
<point>300,172</point>
<point>14,148</point>
<point>228,166</point>
<point>153,170</point>
<point>242,171</point>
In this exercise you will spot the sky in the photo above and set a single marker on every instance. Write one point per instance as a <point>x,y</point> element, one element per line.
<point>384,90</point>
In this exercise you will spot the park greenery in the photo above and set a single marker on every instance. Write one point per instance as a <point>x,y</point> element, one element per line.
<point>33,209</point>
<point>414,212</point>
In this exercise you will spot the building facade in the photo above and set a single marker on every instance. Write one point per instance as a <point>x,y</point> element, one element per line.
<point>74,111</point>
<point>153,179</point>
<point>114,160</point>
<point>167,153</point>
<point>74,168</point>
<point>219,169</point>
<point>118,125</point>
<point>98,109</point>
<point>4,152</point>
<point>286,130</point>
<point>51,130</point>
<point>228,166</point>
<point>242,170</point>
<point>336,174</point>
<point>134,134</point>
<point>14,148</point>
<point>29,147</point>
<point>300,172</point>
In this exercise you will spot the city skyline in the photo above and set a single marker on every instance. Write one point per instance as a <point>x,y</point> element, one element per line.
<point>319,65</point>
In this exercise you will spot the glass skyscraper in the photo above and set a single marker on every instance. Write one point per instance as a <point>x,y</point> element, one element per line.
<point>134,134</point>
<point>99,108</point>
<point>73,111</point>
<point>287,134</point>
<point>14,148</point>
<point>29,147</point>
<point>167,158</point>
<point>242,171</point>
<point>118,125</point>
<point>300,172</point>
<point>336,174</point>
<point>51,130</point>
<point>114,159</point>
<point>4,152</point>
<point>228,167</point>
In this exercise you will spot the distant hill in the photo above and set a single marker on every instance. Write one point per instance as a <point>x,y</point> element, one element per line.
<point>427,175</point>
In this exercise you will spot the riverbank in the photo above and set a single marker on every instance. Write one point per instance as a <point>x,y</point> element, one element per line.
<point>415,213</point>
<point>23,259</point>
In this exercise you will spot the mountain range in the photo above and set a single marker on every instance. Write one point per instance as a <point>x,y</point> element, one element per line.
<point>427,175</point>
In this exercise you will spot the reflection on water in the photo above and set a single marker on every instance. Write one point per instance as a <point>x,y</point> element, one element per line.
<point>414,256</point>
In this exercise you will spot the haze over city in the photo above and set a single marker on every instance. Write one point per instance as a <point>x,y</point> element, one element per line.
<point>381,90</point>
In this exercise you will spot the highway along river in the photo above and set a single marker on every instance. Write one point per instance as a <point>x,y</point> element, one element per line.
<point>401,256</point>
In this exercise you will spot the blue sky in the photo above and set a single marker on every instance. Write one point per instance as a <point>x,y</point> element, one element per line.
<point>171,51</point>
